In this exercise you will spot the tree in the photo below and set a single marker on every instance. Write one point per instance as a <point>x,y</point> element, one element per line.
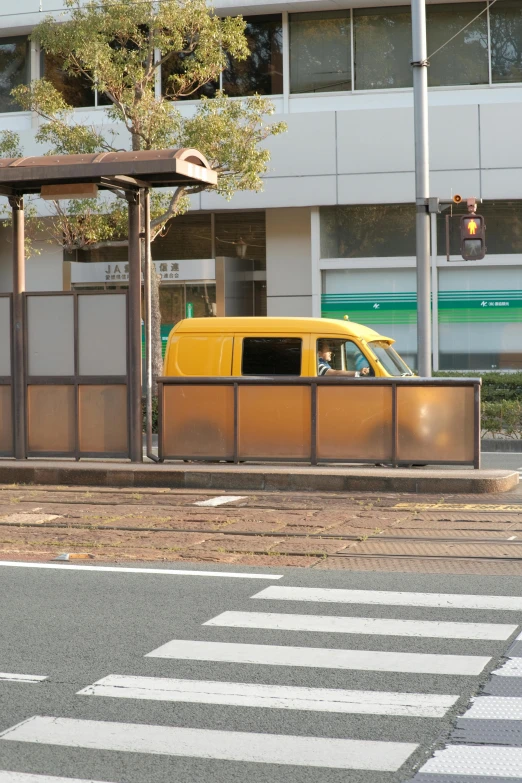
<point>117,47</point>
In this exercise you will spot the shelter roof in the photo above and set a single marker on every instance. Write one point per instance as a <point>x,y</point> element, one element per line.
<point>127,170</point>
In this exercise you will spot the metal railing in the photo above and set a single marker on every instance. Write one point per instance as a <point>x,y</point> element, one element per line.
<point>320,420</point>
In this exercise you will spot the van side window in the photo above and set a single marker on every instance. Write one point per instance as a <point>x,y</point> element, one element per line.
<point>271,356</point>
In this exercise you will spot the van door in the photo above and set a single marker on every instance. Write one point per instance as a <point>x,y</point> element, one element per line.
<point>270,354</point>
<point>196,354</point>
<point>347,354</point>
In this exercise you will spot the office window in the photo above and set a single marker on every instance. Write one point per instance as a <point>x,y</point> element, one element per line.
<point>262,71</point>
<point>185,236</point>
<point>271,356</point>
<point>465,59</point>
<point>320,52</point>
<point>506,41</point>
<point>382,43</point>
<point>76,90</point>
<point>366,231</point>
<point>14,70</point>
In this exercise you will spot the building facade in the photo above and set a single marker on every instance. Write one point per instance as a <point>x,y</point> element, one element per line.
<point>332,233</point>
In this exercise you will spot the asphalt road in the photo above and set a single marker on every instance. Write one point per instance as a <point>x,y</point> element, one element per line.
<point>76,626</point>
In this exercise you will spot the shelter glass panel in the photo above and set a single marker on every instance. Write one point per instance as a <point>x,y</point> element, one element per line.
<point>50,335</point>
<point>103,419</point>
<point>506,41</point>
<point>14,70</point>
<point>5,335</point>
<point>102,338</point>
<point>320,52</point>
<point>382,48</point>
<point>274,422</point>
<point>262,71</point>
<point>6,421</point>
<point>354,422</point>
<point>51,419</point>
<point>465,59</point>
<point>435,424</point>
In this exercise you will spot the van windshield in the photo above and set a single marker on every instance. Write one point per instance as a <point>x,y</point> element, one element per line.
<point>389,358</point>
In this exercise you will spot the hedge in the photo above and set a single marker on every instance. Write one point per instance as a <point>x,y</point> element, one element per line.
<point>496,386</point>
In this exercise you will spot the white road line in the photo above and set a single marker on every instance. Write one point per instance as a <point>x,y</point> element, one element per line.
<point>385,598</point>
<point>211,744</point>
<point>495,708</point>
<point>421,705</point>
<point>363,625</point>
<point>480,760</point>
<point>219,501</point>
<point>511,668</point>
<point>321,658</point>
<point>29,678</point>
<point>24,777</point>
<point>145,571</point>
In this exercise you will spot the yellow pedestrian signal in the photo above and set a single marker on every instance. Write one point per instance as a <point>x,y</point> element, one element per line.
<point>472,237</point>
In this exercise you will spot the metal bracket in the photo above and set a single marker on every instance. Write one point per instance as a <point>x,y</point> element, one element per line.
<point>132,196</point>
<point>16,202</point>
<point>420,63</point>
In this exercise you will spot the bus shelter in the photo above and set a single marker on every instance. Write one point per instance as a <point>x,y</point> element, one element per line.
<point>70,363</point>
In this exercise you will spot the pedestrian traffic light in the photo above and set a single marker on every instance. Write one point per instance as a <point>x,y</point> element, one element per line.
<point>472,237</point>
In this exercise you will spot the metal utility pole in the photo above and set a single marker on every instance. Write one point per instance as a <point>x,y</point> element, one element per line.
<point>422,184</point>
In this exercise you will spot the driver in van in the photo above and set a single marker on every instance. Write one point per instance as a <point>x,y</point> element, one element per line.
<point>324,353</point>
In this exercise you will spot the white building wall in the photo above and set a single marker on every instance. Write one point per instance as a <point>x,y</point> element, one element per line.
<point>288,262</point>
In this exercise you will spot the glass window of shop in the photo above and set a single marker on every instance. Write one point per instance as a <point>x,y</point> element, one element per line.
<point>382,48</point>
<point>383,299</point>
<point>503,221</point>
<point>320,52</point>
<point>506,41</point>
<point>480,318</point>
<point>368,231</point>
<point>262,71</point>
<point>242,234</point>
<point>464,59</point>
<point>14,70</point>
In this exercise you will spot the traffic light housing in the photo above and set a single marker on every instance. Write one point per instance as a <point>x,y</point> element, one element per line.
<point>472,237</point>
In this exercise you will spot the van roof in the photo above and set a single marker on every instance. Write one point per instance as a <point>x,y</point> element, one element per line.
<point>328,326</point>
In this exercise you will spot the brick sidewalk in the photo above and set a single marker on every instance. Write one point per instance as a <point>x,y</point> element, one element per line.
<point>357,531</point>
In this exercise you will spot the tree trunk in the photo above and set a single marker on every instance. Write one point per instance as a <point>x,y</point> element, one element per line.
<point>157,359</point>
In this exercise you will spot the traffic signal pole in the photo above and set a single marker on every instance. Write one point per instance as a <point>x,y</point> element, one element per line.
<point>422,184</point>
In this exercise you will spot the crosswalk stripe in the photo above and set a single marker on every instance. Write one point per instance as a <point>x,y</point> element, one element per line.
<point>388,598</point>
<point>495,708</point>
<point>212,744</point>
<point>23,777</point>
<point>422,705</point>
<point>363,625</point>
<point>28,678</point>
<point>476,760</point>
<point>324,658</point>
<point>219,501</point>
<point>511,668</point>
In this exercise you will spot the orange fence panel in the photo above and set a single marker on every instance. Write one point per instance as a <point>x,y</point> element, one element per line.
<point>274,422</point>
<point>198,422</point>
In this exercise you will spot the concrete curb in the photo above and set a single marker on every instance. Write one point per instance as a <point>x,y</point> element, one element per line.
<point>505,445</point>
<point>287,478</point>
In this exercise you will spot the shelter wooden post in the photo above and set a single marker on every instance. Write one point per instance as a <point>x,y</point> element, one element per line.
<point>18,361</point>
<point>134,333</point>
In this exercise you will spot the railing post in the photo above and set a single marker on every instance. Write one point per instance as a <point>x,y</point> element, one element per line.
<point>395,426</point>
<point>313,429</point>
<point>477,425</point>
<point>18,326</point>
<point>236,424</point>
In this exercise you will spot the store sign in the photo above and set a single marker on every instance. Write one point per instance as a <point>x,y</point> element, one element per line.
<point>169,271</point>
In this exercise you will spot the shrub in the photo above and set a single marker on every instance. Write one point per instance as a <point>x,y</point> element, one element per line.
<point>496,386</point>
<point>154,414</point>
<point>502,418</point>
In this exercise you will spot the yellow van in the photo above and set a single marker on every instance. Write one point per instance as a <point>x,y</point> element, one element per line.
<point>277,346</point>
